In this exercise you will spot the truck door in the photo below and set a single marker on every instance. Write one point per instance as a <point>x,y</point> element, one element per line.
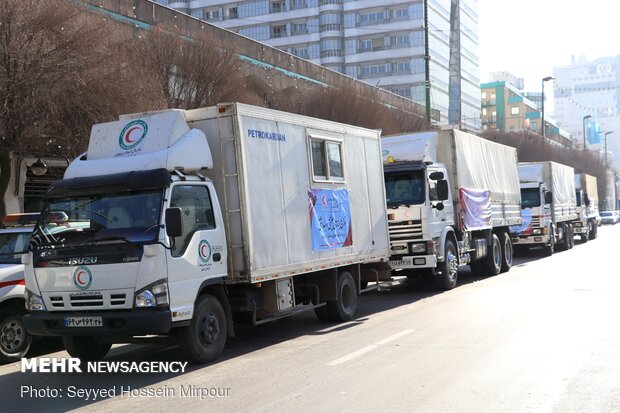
<point>199,254</point>
<point>439,218</point>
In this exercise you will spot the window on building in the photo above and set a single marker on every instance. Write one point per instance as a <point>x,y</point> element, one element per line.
<point>278,31</point>
<point>484,95</point>
<point>514,110</point>
<point>327,160</point>
<point>299,28</point>
<point>484,111</point>
<point>401,13</point>
<point>233,13</point>
<point>366,44</point>
<point>278,6</point>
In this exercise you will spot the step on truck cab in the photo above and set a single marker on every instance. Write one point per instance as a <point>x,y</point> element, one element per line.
<point>548,208</point>
<point>451,198</point>
<point>178,223</point>
<point>586,192</point>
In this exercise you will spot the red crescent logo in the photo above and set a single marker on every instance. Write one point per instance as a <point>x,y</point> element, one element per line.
<point>129,133</point>
<point>78,277</point>
<point>202,250</point>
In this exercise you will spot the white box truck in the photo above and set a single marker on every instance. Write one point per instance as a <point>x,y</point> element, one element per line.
<point>176,222</point>
<point>549,206</point>
<point>586,226</point>
<point>451,198</point>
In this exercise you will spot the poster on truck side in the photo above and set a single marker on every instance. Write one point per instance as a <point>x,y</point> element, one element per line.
<point>330,218</point>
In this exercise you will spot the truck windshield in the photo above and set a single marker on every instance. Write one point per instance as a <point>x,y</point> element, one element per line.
<point>404,188</point>
<point>530,197</point>
<point>127,217</point>
<point>12,245</point>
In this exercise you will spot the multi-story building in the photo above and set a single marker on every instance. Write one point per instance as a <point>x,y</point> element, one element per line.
<point>504,107</point>
<point>381,43</point>
<point>589,88</point>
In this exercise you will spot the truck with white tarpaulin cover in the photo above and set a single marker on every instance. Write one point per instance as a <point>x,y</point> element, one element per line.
<point>451,198</point>
<point>586,193</point>
<point>177,223</point>
<point>549,206</point>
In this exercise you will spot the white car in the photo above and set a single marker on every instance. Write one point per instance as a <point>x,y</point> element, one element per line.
<point>14,238</point>
<point>610,217</point>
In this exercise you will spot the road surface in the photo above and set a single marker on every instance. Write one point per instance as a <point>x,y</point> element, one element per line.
<point>544,337</point>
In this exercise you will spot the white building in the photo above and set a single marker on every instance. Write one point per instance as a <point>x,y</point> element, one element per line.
<point>381,43</point>
<point>589,88</point>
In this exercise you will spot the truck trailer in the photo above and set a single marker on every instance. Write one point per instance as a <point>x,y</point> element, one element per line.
<point>549,206</point>
<point>178,223</point>
<point>452,197</point>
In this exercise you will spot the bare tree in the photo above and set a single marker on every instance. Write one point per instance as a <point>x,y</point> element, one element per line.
<point>190,73</point>
<point>60,72</point>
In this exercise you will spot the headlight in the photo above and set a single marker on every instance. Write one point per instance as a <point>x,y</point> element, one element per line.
<point>34,302</point>
<point>536,231</point>
<point>418,248</point>
<point>154,295</point>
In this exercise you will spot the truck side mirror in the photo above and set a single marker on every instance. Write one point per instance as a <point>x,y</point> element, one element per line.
<point>436,176</point>
<point>442,189</point>
<point>174,225</point>
<point>548,197</point>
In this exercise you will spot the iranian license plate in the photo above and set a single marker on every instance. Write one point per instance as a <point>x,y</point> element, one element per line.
<point>406,263</point>
<point>83,322</point>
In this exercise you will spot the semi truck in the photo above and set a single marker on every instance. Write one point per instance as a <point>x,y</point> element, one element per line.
<point>179,223</point>
<point>549,206</point>
<point>586,226</point>
<point>452,197</point>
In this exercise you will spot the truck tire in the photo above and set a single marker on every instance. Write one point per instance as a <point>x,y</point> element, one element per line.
<point>343,309</point>
<point>477,269</point>
<point>507,251</point>
<point>492,263</point>
<point>447,275</point>
<point>593,231</point>
<point>86,348</point>
<point>14,340</point>
<point>571,237</point>
<point>204,339</point>
<point>564,244</point>
<point>322,313</point>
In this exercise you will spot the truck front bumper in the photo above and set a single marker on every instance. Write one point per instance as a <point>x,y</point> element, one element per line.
<point>413,262</point>
<point>531,240</point>
<point>114,323</point>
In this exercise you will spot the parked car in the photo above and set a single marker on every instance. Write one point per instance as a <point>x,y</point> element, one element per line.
<point>610,217</point>
<point>15,233</point>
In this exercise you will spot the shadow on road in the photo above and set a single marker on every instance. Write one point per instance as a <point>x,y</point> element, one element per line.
<point>249,339</point>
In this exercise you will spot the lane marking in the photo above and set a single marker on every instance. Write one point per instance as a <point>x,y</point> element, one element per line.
<point>369,348</point>
<point>353,355</point>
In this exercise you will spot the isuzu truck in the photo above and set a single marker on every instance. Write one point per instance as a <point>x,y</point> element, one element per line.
<point>451,198</point>
<point>586,226</point>
<point>175,223</point>
<point>549,206</point>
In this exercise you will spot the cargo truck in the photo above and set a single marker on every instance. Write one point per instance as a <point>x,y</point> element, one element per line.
<point>586,226</point>
<point>549,206</point>
<point>177,223</point>
<point>451,198</point>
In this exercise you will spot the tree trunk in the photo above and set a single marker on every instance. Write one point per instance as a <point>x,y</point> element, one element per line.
<point>5,176</point>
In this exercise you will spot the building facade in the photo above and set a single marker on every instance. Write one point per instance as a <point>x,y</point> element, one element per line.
<point>590,88</point>
<point>504,107</point>
<point>380,43</point>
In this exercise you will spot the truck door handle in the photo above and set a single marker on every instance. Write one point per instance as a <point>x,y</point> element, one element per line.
<point>217,256</point>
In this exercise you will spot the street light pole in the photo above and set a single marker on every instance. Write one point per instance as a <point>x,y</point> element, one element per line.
<point>606,133</point>
<point>584,130</point>
<point>542,105</point>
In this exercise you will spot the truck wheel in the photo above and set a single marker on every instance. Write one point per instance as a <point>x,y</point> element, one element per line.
<point>343,309</point>
<point>86,348</point>
<point>14,340</point>
<point>477,269</point>
<point>549,249</point>
<point>493,261</point>
<point>447,277</point>
<point>322,313</point>
<point>204,339</point>
<point>507,251</point>
<point>593,231</point>
<point>571,237</point>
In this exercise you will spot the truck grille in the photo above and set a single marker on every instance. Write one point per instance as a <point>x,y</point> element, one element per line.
<point>69,301</point>
<point>535,222</point>
<point>405,230</point>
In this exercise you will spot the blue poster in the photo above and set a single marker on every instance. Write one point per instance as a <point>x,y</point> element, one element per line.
<point>526,226</point>
<point>330,218</point>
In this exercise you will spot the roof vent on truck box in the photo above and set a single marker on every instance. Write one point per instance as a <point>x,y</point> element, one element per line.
<point>421,147</point>
<point>150,141</point>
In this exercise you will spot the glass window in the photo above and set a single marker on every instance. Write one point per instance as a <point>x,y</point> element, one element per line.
<point>197,213</point>
<point>404,188</point>
<point>12,245</point>
<point>327,160</point>
<point>514,110</point>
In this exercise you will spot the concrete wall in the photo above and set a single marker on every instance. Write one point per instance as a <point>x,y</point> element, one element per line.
<point>271,69</point>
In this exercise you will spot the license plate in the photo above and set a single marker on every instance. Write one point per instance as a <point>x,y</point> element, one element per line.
<point>83,322</point>
<point>402,263</point>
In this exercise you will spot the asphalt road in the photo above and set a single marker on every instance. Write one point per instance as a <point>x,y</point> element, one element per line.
<point>544,337</point>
